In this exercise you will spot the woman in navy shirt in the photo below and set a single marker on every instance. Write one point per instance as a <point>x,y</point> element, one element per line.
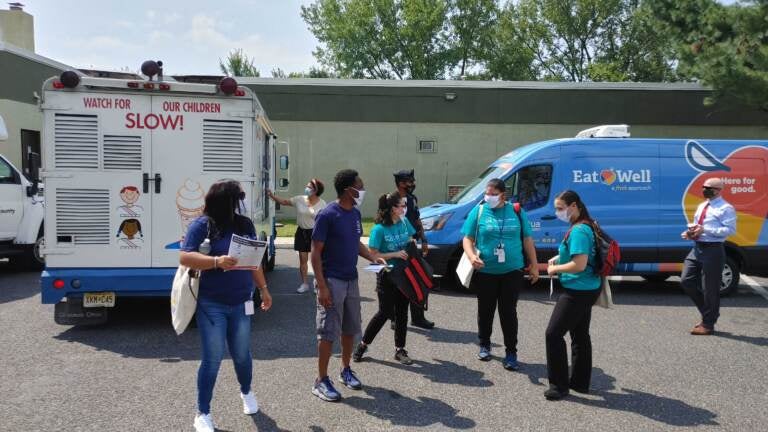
<point>225,298</point>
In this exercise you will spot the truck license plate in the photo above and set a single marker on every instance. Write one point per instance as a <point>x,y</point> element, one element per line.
<point>101,299</point>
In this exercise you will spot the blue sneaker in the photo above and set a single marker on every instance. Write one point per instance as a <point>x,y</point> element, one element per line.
<point>484,354</point>
<point>325,390</point>
<point>510,362</point>
<point>348,378</point>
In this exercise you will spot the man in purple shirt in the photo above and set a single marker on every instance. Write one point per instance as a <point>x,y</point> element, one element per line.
<point>713,222</point>
<point>335,248</point>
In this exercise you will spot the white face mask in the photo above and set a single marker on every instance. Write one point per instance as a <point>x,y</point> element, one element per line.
<point>242,207</point>
<point>360,197</point>
<point>308,191</point>
<point>405,212</point>
<point>492,200</point>
<point>563,215</point>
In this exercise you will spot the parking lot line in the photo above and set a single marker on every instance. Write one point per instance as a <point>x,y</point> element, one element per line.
<point>756,287</point>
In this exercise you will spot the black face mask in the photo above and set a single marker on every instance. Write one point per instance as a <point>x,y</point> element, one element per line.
<point>709,193</point>
<point>411,188</point>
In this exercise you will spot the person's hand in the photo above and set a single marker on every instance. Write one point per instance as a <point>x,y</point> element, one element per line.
<point>403,255</point>
<point>424,248</point>
<point>477,263</point>
<point>324,295</point>
<point>533,270</point>
<point>551,269</point>
<point>266,299</point>
<point>684,235</point>
<point>226,262</point>
<point>382,261</point>
<point>553,261</point>
<point>696,232</point>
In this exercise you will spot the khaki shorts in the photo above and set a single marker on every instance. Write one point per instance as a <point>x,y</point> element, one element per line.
<point>344,317</point>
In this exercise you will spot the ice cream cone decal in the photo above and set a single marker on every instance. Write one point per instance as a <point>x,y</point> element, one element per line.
<point>190,201</point>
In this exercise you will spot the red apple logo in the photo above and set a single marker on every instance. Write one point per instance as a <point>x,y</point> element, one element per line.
<point>745,186</point>
<point>608,176</point>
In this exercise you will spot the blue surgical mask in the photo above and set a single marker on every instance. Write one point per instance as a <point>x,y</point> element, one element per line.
<point>308,191</point>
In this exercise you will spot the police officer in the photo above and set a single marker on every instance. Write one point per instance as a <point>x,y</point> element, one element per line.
<point>406,184</point>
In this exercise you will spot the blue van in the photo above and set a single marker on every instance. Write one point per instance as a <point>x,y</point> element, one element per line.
<point>642,191</point>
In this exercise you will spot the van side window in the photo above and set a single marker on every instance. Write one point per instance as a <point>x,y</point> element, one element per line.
<point>7,174</point>
<point>533,186</point>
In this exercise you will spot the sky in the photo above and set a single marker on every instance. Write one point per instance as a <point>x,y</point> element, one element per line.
<point>188,36</point>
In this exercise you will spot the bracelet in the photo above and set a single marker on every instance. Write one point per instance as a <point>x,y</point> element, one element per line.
<point>262,288</point>
<point>215,263</point>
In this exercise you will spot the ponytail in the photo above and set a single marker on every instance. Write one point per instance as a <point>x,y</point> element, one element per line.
<point>386,203</point>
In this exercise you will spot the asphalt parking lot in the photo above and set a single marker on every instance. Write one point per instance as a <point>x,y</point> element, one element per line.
<point>135,374</point>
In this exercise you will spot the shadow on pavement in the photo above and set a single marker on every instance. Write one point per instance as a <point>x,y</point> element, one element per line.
<point>439,334</point>
<point>391,406</point>
<point>18,285</point>
<point>754,340</point>
<point>441,372</point>
<point>263,422</point>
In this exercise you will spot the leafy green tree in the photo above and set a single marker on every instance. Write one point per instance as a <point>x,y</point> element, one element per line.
<point>724,46</point>
<point>472,24</point>
<point>238,64</point>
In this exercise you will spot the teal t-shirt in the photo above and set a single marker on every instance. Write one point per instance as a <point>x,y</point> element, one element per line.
<point>498,226</point>
<point>580,241</point>
<point>391,238</point>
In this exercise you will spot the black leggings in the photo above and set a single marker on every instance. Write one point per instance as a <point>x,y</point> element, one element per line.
<point>572,313</point>
<point>392,305</point>
<point>503,289</point>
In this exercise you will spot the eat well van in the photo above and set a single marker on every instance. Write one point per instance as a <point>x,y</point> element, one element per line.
<point>641,191</point>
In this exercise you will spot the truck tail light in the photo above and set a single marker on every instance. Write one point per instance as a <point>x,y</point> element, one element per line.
<point>239,92</point>
<point>58,283</point>
<point>58,84</point>
<point>149,86</point>
<point>133,84</point>
<point>164,86</point>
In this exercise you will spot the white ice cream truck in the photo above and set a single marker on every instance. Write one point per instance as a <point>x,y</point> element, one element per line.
<point>127,164</point>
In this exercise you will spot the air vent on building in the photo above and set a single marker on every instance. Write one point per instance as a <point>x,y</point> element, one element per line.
<point>223,146</point>
<point>427,146</point>
<point>83,216</point>
<point>122,153</point>
<point>76,141</point>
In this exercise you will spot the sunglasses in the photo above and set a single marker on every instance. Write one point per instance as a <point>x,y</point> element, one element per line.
<point>710,188</point>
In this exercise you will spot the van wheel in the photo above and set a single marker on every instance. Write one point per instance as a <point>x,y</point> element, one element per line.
<point>655,277</point>
<point>32,259</point>
<point>730,280</point>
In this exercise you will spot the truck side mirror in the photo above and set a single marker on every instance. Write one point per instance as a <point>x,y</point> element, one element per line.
<point>34,173</point>
<point>284,162</point>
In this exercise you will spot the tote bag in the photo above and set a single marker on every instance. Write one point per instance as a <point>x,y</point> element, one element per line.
<point>605,299</point>
<point>186,284</point>
<point>465,270</point>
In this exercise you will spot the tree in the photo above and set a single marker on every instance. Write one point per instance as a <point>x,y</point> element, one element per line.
<point>238,64</point>
<point>723,46</point>
<point>472,24</point>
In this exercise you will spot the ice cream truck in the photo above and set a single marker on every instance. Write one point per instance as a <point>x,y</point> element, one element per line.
<point>127,163</point>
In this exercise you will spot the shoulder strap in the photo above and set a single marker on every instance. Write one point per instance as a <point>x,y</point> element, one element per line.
<point>477,225</point>
<point>516,206</point>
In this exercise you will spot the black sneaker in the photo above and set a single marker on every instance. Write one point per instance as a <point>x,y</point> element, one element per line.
<point>357,356</point>
<point>423,323</point>
<point>401,355</point>
<point>554,394</point>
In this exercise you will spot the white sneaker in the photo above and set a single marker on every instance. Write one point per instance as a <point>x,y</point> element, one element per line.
<point>250,404</point>
<point>303,288</point>
<point>203,423</point>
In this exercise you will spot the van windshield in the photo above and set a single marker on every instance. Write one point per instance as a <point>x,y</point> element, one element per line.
<point>477,186</point>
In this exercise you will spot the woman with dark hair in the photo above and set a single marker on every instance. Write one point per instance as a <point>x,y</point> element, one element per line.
<point>307,207</point>
<point>224,302</point>
<point>575,265</point>
<point>388,240</point>
<point>496,235</point>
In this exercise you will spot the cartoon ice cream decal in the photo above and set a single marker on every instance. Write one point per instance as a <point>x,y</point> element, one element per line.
<point>745,186</point>
<point>190,201</point>
<point>129,195</point>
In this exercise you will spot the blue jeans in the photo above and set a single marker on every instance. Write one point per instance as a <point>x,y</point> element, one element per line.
<point>217,323</point>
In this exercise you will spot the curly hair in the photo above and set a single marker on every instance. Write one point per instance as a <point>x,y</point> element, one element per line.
<point>344,179</point>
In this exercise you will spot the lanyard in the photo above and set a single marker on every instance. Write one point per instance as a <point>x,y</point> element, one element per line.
<point>503,222</point>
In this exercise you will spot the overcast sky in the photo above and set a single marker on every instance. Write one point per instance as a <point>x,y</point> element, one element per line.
<point>189,36</point>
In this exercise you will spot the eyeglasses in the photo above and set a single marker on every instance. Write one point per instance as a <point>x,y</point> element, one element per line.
<point>710,188</point>
<point>401,205</point>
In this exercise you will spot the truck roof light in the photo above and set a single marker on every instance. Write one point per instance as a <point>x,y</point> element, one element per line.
<point>151,68</point>
<point>164,86</point>
<point>228,85</point>
<point>70,79</point>
<point>58,84</point>
<point>58,284</point>
<point>605,131</point>
<point>239,92</point>
<point>133,84</point>
<point>149,86</point>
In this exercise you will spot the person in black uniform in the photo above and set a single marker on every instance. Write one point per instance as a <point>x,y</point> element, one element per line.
<point>406,184</point>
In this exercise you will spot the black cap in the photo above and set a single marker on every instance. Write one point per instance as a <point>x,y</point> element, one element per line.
<point>404,175</point>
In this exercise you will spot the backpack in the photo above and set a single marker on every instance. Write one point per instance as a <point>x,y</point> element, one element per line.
<point>607,251</point>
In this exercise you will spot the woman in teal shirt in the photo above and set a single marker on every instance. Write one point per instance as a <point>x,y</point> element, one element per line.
<point>575,265</point>
<point>493,243</point>
<point>388,239</point>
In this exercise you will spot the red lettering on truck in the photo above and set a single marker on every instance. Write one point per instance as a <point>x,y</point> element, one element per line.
<point>154,121</point>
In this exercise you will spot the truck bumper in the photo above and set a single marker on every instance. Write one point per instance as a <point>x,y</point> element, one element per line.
<point>124,282</point>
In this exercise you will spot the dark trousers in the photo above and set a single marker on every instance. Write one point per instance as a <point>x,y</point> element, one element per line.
<point>701,278</point>
<point>572,314</point>
<point>393,305</point>
<point>503,289</point>
<point>417,313</point>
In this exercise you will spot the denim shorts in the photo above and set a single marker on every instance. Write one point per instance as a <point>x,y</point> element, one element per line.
<point>344,316</point>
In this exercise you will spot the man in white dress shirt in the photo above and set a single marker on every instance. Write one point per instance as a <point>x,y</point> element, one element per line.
<point>713,222</point>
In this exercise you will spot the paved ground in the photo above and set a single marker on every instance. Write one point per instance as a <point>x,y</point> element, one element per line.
<point>135,374</point>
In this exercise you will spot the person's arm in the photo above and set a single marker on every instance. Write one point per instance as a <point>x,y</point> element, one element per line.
<point>530,252</point>
<point>367,253</point>
<point>261,285</point>
<point>316,256</point>
<point>277,199</point>
<point>198,261</point>
<point>469,248</point>
<point>579,245</point>
<point>577,264</point>
<point>399,254</point>
<point>728,220</point>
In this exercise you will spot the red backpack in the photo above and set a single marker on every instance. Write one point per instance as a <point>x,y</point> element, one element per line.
<point>608,252</point>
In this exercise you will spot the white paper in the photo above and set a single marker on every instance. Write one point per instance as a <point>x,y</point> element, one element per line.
<point>249,307</point>
<point>248,252</point>
<point>375,268</point>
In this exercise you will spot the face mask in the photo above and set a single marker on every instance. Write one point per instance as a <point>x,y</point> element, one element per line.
<point>308,191</point>
<point>411,189</point>
<point>405,211</point>
<point>563,215</point>
<point>709,193</point>
<point>492,200</point>
<point>242,207</point>
<point>360,197</point>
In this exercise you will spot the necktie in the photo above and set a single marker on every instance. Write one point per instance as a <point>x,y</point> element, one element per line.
<point>703,214</point>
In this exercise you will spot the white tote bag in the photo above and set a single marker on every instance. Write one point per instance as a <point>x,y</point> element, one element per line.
<point>465,270</point>
<point>605,299</point>
<point>186,283</point>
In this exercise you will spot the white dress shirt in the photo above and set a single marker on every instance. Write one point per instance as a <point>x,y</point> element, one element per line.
<point>719,222</point>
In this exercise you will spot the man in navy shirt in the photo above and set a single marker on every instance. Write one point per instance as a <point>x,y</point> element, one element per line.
<point>335,248</point>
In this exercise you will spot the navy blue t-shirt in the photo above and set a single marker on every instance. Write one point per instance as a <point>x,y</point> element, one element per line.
<point>232,287</point>
<point>340,231</point>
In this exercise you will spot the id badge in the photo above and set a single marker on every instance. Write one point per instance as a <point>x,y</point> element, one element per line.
<point>499,252</point>
<point>249,307</point>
